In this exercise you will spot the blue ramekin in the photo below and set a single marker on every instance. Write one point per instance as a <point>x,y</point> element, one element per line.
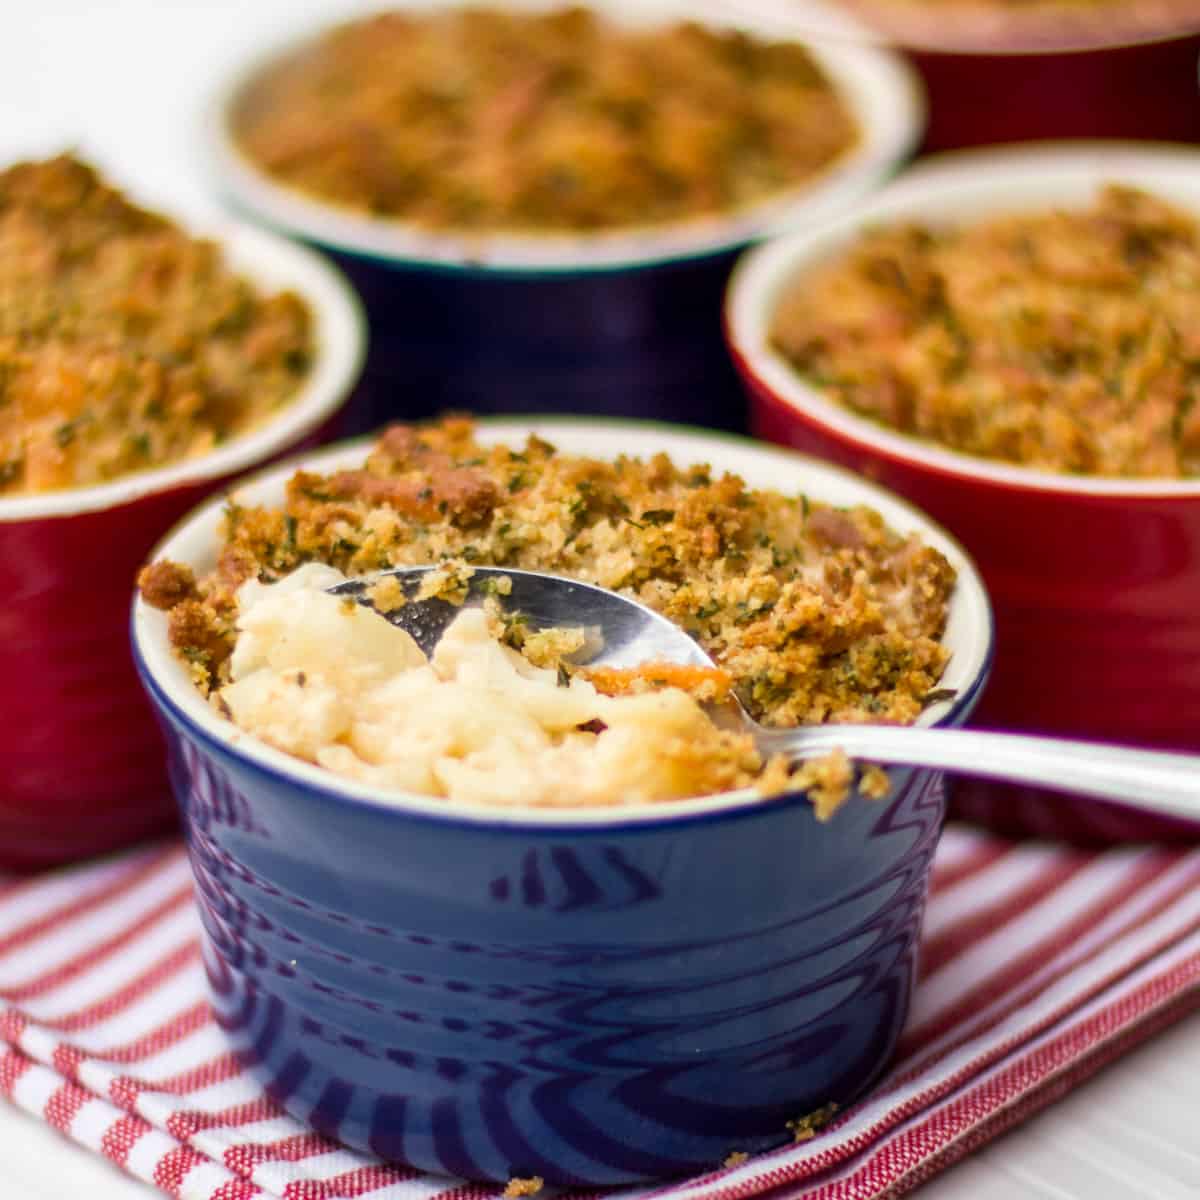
<point>597,996</point>
<point>623,323</point>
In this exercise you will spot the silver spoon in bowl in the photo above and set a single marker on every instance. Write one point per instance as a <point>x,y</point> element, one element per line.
<point>624,633</point>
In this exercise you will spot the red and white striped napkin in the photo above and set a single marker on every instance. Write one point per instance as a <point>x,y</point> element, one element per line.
<point>1041,964</point>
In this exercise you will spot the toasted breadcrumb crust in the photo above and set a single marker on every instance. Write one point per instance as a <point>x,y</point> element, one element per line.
<point>484,119</point>
<point>805,1128</point>
<point>550,647</point>
<point>1068,341</point>
<point>827,780</point>
<point>386,594</point>
<point>873,783</point>
<point>529,1186</point>
<point>166,584</point>
<point>817,614</point>
<point>450,582</point>
<point>125,344</point>
<point>812,614</point>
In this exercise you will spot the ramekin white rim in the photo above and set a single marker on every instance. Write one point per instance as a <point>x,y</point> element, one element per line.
<point>952,186</point>
<point>970,630</point>
<point>339,326</point>
<point>883,89</point>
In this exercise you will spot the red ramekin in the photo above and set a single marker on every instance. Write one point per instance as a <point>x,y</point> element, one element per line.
<point>997,72</point>
<point>83,763</point>
<point>1095,581</point>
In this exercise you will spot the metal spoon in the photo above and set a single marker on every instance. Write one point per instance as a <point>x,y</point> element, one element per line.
<point>629,634</point>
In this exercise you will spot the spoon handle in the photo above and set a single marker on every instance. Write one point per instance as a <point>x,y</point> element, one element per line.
<point>1149,779</point>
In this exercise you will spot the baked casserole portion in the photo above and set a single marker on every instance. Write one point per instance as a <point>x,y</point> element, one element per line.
<point>1066,340</point>
<point>125,343</point>
<point>816,614</point>
<point>484,119</point>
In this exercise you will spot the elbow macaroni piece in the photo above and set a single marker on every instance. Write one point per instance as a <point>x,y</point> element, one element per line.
<point>334,683</point>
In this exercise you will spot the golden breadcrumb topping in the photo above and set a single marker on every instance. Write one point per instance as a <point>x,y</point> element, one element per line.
<point>124,343</point>
<point>815,613</point>
<point>484,119</point>
<point>1066,340</point>
<point>529,1186</point>
<point>805,1128</point>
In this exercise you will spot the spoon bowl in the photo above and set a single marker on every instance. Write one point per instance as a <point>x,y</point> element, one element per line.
<point>625,633</point>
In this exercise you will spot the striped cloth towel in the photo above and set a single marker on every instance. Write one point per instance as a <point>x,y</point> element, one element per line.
<point>1041,964</point>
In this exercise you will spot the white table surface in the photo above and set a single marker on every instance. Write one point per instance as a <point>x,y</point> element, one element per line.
<point>125,82</point>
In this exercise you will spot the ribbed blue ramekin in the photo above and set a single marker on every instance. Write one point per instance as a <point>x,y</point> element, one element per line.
<point>594,996</point>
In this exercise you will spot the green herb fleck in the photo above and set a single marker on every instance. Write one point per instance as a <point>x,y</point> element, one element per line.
<point>658,516</point>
